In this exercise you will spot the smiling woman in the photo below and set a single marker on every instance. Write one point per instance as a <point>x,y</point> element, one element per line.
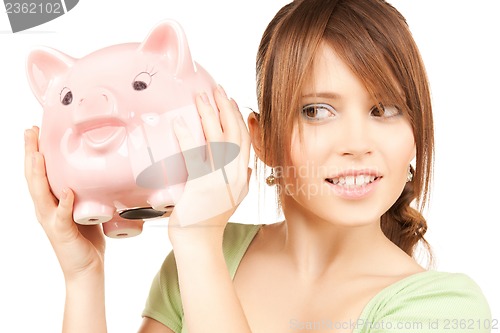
<point>368,60</point>
<point>352,143</point>
<point>344,110</point>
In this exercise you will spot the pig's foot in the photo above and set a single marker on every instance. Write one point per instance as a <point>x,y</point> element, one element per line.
<point>123,228</point>
<point>92,212</point>
<point>165,200</point>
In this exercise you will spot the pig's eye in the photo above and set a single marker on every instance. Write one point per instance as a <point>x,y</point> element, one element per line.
<point>142,81</point>
<point>66,96</point>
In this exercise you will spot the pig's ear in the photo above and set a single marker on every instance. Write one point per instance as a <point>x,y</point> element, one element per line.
<point>43,66</point>
<point>168,40</point>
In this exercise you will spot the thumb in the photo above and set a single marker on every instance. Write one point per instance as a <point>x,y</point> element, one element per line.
<point>64,213</point>
<point>244,191</point>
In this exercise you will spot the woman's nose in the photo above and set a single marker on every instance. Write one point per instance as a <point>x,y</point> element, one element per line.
<point>354,136</point>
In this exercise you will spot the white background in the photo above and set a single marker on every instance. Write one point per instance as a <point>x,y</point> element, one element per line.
<point>457,40</point>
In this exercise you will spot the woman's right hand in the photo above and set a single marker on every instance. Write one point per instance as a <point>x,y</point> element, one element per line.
<point>79,248</point>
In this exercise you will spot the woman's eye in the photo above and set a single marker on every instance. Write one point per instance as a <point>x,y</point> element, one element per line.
<point>316,112</point>
<point>385,111</point>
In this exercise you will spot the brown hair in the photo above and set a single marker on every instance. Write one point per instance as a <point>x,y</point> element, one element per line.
<point>374,40</point>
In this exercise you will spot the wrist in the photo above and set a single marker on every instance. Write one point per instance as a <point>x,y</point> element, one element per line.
<point>203,235</point>
<point>196,238</point>
<point>90,276</point>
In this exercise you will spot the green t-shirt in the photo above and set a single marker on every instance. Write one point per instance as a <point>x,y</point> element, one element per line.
<point>426,302</point>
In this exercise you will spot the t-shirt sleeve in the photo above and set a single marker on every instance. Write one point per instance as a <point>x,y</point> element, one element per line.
<point>164,300</point>
<point>446,303</point>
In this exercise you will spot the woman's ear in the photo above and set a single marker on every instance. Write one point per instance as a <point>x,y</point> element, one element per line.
<point>255,134</point>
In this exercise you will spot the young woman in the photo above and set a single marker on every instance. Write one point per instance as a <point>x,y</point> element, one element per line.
<point>345,124</point>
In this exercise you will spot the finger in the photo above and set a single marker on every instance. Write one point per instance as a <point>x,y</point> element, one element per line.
<point>193,154</point>
<point>244,189</point>
<point>245,134</point>
<point>67,230</point>
<point>236,108</point>
<point>209,120</point>
<point>30,146</point>
<point>228,118</point>
<point>235,129</point>
<point>44,201</point>
<point>244,146</point>
<point>64,225</point>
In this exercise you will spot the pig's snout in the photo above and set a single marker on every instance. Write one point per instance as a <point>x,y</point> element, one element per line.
<point>95,118</point>
<point>98,104</point>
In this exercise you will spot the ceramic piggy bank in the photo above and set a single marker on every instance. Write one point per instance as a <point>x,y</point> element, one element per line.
<point>107,128</point>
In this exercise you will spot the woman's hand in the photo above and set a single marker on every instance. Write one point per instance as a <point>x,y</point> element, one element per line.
<point>79,248</point>
<point>208,201</point>
<point>216,185</point>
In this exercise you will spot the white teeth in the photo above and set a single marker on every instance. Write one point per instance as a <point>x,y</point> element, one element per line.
<point>369,179</point>
<point>352,181</point>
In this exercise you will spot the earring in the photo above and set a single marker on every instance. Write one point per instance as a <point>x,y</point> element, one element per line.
<point>271,180</point>
<point>409,176</point>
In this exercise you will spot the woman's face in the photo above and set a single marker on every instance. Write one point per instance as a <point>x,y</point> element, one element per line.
<point>352,162</point>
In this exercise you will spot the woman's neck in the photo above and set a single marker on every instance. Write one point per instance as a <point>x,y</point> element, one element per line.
<point>316,247</point>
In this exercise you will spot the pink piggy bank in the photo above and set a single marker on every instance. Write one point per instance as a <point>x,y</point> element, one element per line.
<point>107,128</point>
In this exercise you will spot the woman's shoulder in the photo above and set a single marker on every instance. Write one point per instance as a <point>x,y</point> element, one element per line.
<point>239,230</point>
<point>237,239</point>
<point>430,282</point>
<point>434,301</point>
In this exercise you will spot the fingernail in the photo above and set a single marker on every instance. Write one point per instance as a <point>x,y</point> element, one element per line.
<point>221,90</point>
<point>204,98</point>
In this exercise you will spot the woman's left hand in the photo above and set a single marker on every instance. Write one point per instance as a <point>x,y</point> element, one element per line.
<point>208,201</point>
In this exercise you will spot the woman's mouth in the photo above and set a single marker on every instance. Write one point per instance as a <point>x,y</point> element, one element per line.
<point>353,187</point>
<point>353,181</point>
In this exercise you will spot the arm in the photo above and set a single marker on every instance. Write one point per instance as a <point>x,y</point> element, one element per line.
<point>209,299</point>
<point>84,309</point>
<point>208,296</point>
<point>79,249</point>
<point>152,326</point>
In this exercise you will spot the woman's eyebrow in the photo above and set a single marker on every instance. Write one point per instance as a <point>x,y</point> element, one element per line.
<point>326,94</point>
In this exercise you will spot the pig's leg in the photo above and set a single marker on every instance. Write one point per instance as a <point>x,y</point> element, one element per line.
<point>123,228</point>
<point>89,212</point>
<point>165,199</point>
